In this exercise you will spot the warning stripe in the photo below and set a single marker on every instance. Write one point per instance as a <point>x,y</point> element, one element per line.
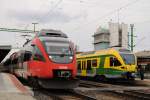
<point>18,84</point>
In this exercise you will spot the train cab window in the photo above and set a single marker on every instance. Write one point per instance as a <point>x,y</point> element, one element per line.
<point>37,54</point>
<point>94,63</point>
<point>88,64</point>
<point>27,56</point>
<point>79,65</point>
<point>114,62</point>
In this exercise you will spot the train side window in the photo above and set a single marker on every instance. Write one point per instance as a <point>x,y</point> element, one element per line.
<point>37,54</point>
<point>15,60</point>
<point>114,62</point>
<point>88,64</point>
<point>94,63</point>
<point>79,65</point>
<point>27,56</point>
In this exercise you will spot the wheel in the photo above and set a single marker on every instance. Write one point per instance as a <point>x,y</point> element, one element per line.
<point>101,78</point>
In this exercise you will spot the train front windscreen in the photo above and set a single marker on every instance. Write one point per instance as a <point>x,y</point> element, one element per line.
<point>129,59</point>
<point>59,52</point>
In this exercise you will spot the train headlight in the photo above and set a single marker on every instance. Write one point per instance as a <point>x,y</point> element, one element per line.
<point>133,74</point>
<point>71,58</point>
<point>50,57</point>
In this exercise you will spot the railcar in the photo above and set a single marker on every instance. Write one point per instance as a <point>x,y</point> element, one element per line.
<point>47,60</point>
<point>107,64</point>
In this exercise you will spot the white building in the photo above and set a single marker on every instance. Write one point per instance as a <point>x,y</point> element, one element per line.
<point>115,36</point>
<point>101,39</point>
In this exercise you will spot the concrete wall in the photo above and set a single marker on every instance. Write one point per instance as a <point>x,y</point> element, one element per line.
<point>100,46</point>
<point>124,35</point>
<point>114,35</point>
<point>101,38</point>
<point>115,29</point>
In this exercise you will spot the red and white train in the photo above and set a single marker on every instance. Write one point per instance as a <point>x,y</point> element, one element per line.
<point>48,60</point>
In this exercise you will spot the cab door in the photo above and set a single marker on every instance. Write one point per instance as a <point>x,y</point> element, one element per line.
<point>115,66</point>
<point>83,68</point>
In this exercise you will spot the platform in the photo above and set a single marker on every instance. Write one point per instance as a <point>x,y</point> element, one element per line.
<point>12,89</point>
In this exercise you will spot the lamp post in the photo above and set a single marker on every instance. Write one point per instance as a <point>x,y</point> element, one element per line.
<point>34,26</point>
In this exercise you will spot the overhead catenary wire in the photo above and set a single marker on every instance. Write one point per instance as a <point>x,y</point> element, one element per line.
<point>107,14</point>
<point>50,11</point>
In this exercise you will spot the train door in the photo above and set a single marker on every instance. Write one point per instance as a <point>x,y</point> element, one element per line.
<point>20,63</point>
<point>14,61</point>
<point>37,64</point>
<point>115,66</point>
<point>89,67</point>
<point>106,68</point>
<point>23,63</point>
<point>83,68</point>
<point>79,67</point>
<point>26,59</point>
<point>95,65</point>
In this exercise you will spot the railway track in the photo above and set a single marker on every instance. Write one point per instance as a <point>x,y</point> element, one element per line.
<point>91,84</point>
<point>78,94</point>
<point>61,95</point>
<point>133,93</point>
<point>136,95</point>
<point>107,86</point>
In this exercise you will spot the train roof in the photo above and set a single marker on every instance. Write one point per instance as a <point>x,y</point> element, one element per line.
<point>51,33</point>
<point>102,52</point>
<point>12,51</point>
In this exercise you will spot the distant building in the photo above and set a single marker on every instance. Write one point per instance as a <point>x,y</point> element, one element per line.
<point>116,35</point>
<point>143,60</point>
<point>101,39</point>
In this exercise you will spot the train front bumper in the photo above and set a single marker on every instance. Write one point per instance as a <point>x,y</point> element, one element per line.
<point>129,75</point>
<point>59,83</point>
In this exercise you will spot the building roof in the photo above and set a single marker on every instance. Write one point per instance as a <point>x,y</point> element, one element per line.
<point>101,30</point>
<point>143,54</point>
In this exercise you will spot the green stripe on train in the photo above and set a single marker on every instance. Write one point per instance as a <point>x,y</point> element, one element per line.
<point>111,71</point>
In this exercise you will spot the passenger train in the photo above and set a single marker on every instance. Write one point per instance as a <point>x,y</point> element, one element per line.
<point>107,64</point>
<point>48,60</point>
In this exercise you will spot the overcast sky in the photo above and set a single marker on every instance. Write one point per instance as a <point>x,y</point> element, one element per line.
<point>79,19</point>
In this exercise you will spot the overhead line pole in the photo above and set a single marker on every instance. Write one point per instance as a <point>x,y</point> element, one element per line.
<point>34,26</point>
<point>132,37</point>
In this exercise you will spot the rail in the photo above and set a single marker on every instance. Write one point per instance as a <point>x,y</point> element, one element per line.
<point>61,95</point>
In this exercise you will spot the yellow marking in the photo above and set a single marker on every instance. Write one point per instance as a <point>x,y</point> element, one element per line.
<point>83,73</point>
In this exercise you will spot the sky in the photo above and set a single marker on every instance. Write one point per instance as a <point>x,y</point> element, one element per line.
<point>79,19</point>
